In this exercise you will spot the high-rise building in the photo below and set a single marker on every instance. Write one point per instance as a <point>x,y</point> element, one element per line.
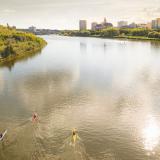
<point>93,25</point>
<point>100,26</point>
<point>105,21</point>
<point>122,24</point>
<point>158,23</point>
<point>82,25</point>
<point>154,24</point>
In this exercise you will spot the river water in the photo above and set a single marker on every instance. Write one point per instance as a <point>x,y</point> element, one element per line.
<point>109,90</point>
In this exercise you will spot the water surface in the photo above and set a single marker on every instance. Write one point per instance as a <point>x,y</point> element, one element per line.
<point>108,89</point>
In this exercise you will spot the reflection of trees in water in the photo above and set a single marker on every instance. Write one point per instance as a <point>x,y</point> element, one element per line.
<point>24,58</point>
<point>155,45</point>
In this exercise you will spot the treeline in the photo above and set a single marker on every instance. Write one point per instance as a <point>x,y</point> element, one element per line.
<point>116,33</point>
<point>14,44</point>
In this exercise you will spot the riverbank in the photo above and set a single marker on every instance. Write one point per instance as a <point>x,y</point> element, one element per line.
<point>130,38</point>
<point>115,33</point>
<point>16,45</point>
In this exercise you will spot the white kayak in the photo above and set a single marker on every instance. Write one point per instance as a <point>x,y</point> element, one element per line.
<point>3,134</point>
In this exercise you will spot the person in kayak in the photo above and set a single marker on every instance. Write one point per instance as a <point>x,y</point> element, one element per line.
<point>35,117</point>
<point>74,135</point>
<point>1,135</point>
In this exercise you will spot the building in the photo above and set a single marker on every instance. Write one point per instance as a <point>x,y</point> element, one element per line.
<point>106,24</point>
<point>142,25</point>
<point>149,25</point>
<point>132,25</point>
<point>122,24</point>
<point>32,29</point>
<point>156,23</point>
<point>82,25</point>
<point>105,21</point>
<point>93,26</point>
<point>13,27</point>
<point>101,26</point>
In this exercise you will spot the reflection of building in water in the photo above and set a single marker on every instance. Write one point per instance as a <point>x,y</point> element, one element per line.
<point>155,44</point>
<point>104,48</point>
<point>83,47</point>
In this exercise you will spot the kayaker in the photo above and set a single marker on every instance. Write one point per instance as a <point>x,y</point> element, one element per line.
<point>74,135</point>
<point>1,135</point>
<point>35,117</point>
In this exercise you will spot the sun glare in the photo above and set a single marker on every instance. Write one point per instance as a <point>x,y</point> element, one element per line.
<point>151,134</point>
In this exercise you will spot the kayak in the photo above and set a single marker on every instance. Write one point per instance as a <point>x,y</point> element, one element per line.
<point>3,134</point>
<point>74,138</point>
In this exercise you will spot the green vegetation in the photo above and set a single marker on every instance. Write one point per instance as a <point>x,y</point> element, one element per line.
<point>15,44</point>
<point>136,33</point>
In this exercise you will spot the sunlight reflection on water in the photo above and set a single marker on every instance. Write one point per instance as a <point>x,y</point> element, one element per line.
<point>151,134</point>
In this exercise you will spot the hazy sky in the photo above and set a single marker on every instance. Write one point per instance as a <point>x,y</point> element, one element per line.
<point>61,14</point>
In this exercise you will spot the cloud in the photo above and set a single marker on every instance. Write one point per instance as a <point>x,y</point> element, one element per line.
<point>56,12</point>
<point>153,12</point>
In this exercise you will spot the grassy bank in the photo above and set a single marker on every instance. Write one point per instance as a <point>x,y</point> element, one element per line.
<point>123,33</point>
<point>15,45</point>
<point>138,38</point>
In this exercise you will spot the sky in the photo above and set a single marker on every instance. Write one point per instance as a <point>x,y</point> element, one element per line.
<point>65,14</point>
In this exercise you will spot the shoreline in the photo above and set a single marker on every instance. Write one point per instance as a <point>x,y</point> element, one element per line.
<point>116,33</point>
<point>117,37</point>
<point>19,56</point>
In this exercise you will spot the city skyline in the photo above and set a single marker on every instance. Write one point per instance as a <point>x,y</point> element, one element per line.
<point>64,14</point>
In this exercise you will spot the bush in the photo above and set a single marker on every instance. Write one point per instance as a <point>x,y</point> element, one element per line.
<point>13,42</point>
<point>139,32</point>
<point>109,32</point>
<point>154,34</point>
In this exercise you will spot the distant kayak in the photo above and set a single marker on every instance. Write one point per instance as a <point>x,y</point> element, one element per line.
<point>3,134</point>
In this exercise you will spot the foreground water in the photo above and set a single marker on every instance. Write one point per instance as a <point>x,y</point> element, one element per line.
<point>108,89</point>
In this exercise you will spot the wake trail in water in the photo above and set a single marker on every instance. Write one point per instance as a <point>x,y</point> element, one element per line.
<point>73,150</point>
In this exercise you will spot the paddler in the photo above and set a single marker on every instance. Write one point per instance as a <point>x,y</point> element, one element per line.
<point>35,117</point>
<point>74,135</point>
<point>1,135</point>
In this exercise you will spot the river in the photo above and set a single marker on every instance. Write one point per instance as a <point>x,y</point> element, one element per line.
<point>109,90</point>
